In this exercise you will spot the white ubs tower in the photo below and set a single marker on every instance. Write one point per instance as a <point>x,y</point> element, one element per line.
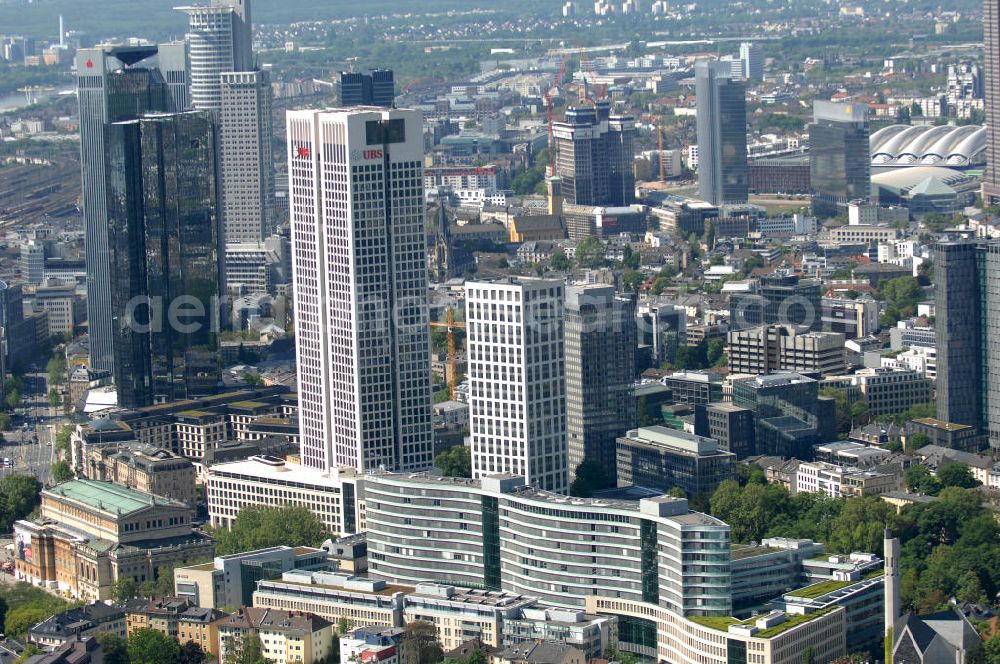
<point>357,211</point>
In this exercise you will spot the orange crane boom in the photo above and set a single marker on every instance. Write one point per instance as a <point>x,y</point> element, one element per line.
<point>450,324</point>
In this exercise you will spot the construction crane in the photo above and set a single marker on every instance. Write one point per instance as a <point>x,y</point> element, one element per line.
<point>451,324</point>
<point>31,92</point>
<point>663,159</point>
<point>548,112</point>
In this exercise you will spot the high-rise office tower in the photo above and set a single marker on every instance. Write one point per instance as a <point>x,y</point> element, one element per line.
<point>114,83</point>
<point>967,306</point>
<point>517,387</point>
<point>164,239</point>
<point>752,59</point>
<point>723,175</point>
<point>601,338</point>
<point>360,273</point>
<point>839,160</point>
<point>376,88</point>
<point>246,158</point>
<point>220,39</point>
<point>172,59</point>
<point>778,299</point>
<point>594,155</point>
<point>991,96</point>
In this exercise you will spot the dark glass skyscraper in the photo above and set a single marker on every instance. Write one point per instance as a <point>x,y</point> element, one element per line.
<point>115,83</point>
<point>165,246</point>
<point>778,299</point>
<point>839,160</point>
<point>377,88</point>
<point>723,174</point>
<point>967,308</point>
<point>601,336</point>
<point>594,154</point>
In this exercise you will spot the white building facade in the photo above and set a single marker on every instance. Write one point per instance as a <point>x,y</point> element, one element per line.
<point>517,380</point>
<point>360,273</point>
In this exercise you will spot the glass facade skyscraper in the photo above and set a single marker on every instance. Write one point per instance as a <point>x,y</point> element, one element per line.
<point>839,159</point>
<point>594,155</point>
<point>377,88</point>
<point>723,173</point>
<point>967,307</point>
<point>115,83</point>
<point>601,336</point>
<point>165,245</point>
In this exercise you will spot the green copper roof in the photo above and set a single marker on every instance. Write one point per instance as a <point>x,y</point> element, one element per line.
<point>108,497</point>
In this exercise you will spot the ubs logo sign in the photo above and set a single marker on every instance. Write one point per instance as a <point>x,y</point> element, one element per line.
<point>366,154</point>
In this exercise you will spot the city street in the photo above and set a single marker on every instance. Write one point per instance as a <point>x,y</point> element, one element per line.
<point>30,447</point>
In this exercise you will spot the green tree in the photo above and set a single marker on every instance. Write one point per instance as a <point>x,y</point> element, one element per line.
<point>691,357</point>
<point>849,413</point>
<point>55,399</point>
<point>715,352</point>
<point>919,479</point>
<point>261,526</point>
<point>477,656</point>
<point>148,646</point>
<point>860,526</point>
<point>61,472</point>
<point>18,621</point>
<point>114,649</point>
<point>956,474</point>
<point>30,650</point>
<point>590,252</point>
<point>659,284</point>
<point>57,369</point>
<point>630,259</point>
<point>527,182</point>
<point>916,441</point>
<point>19,495</point>
<point>419,644</point>
<point>252,379</point>
<point>191,653</point>
<point>646,413</point>
<point>123,589</point>
<point>631,281</point>
<point>63,438</point>
<point>991,649</point>
<point>455,462</point>
<point>970,589</point>
<point>4,422</point>
<point>13,399</point>
<point>559,261</point>
<point>903,293</point>
<point>590,477</point>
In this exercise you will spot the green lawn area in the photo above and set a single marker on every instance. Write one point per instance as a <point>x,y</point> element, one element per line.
<point>720,623</point>
<point>792,621</point>
<point>819,589</point>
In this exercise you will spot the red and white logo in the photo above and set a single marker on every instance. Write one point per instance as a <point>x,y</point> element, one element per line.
<point>90,63</point>
<point>372,154</point>
<point>302,152</point>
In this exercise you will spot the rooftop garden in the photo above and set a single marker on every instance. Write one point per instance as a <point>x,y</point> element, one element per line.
<point>819,589</point>
<point>792,621</point>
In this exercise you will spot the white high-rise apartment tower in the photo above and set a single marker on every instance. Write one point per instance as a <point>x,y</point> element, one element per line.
<point>517,380</point>
<point>220,39</point>
<point>246,157</point>
<point>356,200</point>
